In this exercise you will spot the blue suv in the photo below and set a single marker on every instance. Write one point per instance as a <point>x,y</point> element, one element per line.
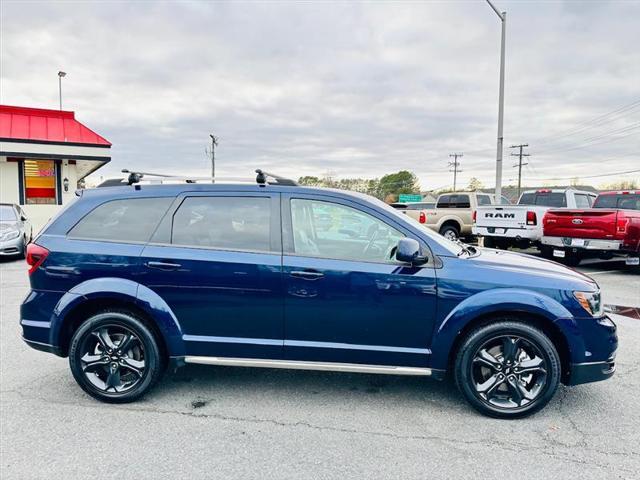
<point>129,280</point>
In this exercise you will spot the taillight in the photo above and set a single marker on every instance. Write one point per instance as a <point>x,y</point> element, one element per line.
<point>35,256</point>
<point>622,223</point>
<point>475,215</point>
<point>532,219</point>
<point>422,218</point>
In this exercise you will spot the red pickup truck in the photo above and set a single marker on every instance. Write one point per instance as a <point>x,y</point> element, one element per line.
<point>611,227</point>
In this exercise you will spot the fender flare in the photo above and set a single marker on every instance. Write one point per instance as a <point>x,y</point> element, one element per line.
<point>450,218</point>
<point>500,301</point>
<point>123,290</point>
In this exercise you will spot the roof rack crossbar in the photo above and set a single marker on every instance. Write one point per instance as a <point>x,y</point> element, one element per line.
<point>261,178</point>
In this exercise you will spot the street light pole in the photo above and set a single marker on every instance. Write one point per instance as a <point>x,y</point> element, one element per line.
<point>60,75</point>
<point>503,19</point>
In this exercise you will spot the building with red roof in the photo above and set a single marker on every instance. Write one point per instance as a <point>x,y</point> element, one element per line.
<point>43,155</point>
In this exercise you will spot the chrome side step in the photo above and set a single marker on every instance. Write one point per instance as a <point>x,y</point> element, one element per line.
<point>297,365</point>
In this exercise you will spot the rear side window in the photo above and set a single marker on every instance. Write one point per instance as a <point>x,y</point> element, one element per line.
<point>583,200</point>
<point>484,200</point>
<point>545,199</point>
<point>460,201</point>
<point>625,201</point>
<point>127,220</point>
<point>444,201</point>
<point>226,223</point>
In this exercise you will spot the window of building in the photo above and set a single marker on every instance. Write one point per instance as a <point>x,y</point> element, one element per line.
<point>227,223</point>
<point>40,186</point>
<point>127,220</point>
<point>330,230</point>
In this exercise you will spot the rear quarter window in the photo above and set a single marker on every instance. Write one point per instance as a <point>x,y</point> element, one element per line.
<point>126,220</point>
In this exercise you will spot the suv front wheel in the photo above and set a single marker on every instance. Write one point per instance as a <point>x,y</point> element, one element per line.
<point>507,369</point>
<point>115,357</point>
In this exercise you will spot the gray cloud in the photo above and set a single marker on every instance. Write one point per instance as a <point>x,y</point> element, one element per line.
<point>358,89</point>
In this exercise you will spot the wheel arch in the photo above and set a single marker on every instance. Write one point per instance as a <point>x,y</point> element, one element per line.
<point>549,328</point>
<point>488,306</point>
<point>450,222</point>
<point>96,295</point>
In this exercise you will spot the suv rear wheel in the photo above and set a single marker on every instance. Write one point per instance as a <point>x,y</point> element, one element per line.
<point>507,369</point>
<point>115,357</point>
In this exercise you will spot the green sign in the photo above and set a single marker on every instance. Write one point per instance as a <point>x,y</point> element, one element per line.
<point>409,197</point>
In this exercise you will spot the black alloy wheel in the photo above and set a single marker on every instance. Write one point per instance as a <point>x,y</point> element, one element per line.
<point>114,357</point>
<point>508,369</point>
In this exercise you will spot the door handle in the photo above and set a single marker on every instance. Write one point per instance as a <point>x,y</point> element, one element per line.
<point>307,274</point>
<point>163,265</point>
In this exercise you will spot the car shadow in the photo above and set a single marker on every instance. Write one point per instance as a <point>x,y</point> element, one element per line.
<point>202,382</point>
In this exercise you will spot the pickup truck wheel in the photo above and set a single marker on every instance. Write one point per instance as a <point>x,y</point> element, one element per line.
<point>450,233</point>
<point>488,242</point>
<point>572,259</point>
<point>507,369</point>
<point>115,357</point>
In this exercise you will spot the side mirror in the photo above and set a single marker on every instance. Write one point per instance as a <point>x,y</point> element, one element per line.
<point>23,218</point>
<point>408,251</point>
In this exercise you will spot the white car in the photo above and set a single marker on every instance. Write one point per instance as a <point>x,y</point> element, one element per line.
<point>521,225</point>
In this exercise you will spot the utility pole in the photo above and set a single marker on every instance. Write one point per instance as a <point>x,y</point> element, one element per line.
<point>503,19</point>
<point>520,164</point>
<point>455,164</point>
<point>214,143</point>
<point>60,75</point>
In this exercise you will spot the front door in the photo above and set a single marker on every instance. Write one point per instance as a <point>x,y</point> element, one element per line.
<point>347,299</point>
<point>216,262</point>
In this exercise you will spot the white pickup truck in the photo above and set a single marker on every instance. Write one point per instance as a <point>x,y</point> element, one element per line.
<point>521,225</point>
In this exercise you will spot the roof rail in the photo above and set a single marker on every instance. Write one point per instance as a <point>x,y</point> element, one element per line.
<point>261,178</point>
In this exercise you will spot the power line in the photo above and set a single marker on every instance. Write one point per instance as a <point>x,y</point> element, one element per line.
<point>456,165</point>
<point>592,123</point>
<point>519,164</point>
<point>588,176</point>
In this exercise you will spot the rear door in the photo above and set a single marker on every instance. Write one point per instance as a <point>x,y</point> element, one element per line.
<point>216,261</point>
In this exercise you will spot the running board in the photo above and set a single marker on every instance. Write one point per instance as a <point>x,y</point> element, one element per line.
<point>296,365</point>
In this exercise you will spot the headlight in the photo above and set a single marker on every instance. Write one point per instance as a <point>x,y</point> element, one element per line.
<point>591,302</point>
<point>11,235</point>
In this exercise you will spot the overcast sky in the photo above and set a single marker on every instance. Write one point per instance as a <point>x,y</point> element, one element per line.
<point>354,89</point>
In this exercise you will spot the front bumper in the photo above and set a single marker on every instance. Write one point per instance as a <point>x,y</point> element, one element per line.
<point>593,351</point>
<point>506,232</point>
<point>591,372</point>
<point>11,247</point>
<point>583,243</point>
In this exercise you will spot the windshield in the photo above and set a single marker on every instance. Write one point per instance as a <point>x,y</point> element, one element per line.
<point>7,214</point>
<point>453,247</point>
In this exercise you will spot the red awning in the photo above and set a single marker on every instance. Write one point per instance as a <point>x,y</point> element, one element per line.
<point>42,125</point>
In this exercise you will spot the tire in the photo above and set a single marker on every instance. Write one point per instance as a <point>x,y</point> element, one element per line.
<point>482,365</point>
<point>108,373</point>
<point>450,233</point>
<point>23,251</point>
<point>488,242</point>
<point>572,259</point>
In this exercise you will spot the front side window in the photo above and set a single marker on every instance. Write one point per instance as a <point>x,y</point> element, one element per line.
<point>127,220</point>
<point>227,223</point>
<point>460,201</point>
<point>40,185</point>
<point>329,230</point>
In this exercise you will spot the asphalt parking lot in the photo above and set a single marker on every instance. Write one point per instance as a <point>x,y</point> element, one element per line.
<point>222,422</point>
